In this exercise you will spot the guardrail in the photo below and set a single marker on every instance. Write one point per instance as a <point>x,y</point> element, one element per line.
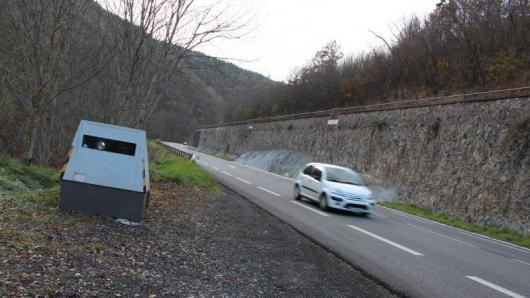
<point>396,105</point>
<point>178,152</point>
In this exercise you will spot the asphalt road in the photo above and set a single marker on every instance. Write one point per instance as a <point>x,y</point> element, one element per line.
<point>414,256</point>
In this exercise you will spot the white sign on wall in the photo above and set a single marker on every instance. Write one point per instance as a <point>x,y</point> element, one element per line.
<point>333,122</point>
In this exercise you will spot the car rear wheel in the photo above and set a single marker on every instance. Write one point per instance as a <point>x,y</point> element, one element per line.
<point>297,195</point>
<point>323,204</point>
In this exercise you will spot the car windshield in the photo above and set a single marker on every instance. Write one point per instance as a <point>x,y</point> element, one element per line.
<point>343,176</point>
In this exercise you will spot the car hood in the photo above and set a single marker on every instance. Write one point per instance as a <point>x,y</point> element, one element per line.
<point>359,190</point>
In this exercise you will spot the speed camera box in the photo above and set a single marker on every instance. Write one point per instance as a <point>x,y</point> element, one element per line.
<point>107,171</point>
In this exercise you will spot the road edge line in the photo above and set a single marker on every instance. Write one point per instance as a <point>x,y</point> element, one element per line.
<point>442,235</point>
<point>513,246</point>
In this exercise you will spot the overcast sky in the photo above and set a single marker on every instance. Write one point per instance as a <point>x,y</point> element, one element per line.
<point>288,32</point>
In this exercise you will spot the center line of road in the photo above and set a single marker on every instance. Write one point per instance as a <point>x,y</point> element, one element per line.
<point>441,235</point>
<point>243,180</point>
<point>232,166</point>
<point>215,168</point>
<point>226,173</point>
<point>309,208</point>
<point>205,163</point>
<point>495,287</point>
<point>270,173</point>
<point>269,191</point>
<point>410,251</point>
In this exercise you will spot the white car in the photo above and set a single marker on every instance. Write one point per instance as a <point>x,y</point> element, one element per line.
<point>334,187</point>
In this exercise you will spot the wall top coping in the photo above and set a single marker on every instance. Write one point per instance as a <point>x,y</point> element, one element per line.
<point>398,105</point>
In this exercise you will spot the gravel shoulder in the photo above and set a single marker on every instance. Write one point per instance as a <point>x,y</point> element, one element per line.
<point>193,243</point>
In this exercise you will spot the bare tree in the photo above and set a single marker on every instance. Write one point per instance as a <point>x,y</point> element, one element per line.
<point>40,59</point>
<point>151,42</point>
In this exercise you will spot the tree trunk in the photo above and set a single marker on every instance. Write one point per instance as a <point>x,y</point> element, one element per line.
<point>34,126</point>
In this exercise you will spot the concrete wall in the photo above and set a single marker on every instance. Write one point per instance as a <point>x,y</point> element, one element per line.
<point>467,156</point>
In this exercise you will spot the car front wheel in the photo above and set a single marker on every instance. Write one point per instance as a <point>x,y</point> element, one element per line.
<point>323,202</point>
<point>297,193</point>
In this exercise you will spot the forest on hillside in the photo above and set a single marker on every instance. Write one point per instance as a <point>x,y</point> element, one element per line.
<point>462,46</point>
<point>127,62</point>
<point>133,64</point>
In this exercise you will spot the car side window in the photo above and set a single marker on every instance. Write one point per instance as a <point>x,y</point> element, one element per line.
<point>317,174</point>
<point>308,170</point>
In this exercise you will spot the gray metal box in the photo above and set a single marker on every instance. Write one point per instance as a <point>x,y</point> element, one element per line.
<point>107,171</point>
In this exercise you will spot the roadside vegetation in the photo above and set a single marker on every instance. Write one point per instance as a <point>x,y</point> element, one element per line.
<point>27,183</point>
<point>30,181</point>
<point>29,194</point>
<point>46,251</point>
<point>503,234</point>
<point>460,45</point>
<point>165,165</point>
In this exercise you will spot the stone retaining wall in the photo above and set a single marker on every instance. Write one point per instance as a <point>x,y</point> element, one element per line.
<point>467,155</point>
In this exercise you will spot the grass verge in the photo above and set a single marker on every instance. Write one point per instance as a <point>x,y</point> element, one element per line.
<point>30,182</point>
<point>503,234</point>
<point>16,177</point>
<point>165,165</point>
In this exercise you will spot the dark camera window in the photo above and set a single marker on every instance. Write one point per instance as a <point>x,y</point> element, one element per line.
<point>109,145</point>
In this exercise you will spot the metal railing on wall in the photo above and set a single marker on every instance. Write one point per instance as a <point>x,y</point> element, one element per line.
<point>396,105</point>
<point>176,151</point>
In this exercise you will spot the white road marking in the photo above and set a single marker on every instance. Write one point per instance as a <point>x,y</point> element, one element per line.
<point>215,168</point>
<point>260,170</point>
<point>309,208</point>
<point>226,173</point>
<point>441,235</point>
<point>521,262</point>
<point>269,191</point>
<point>232,166</point>
<point>410,251</point>
<point>494,241</point>
<point>205,163</point>
<point>500,242</point>
<point>243,180</point>
<point>495,287</point>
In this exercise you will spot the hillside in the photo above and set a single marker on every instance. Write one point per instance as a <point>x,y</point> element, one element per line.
<point>82,61</point>
<point>204,91</point>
